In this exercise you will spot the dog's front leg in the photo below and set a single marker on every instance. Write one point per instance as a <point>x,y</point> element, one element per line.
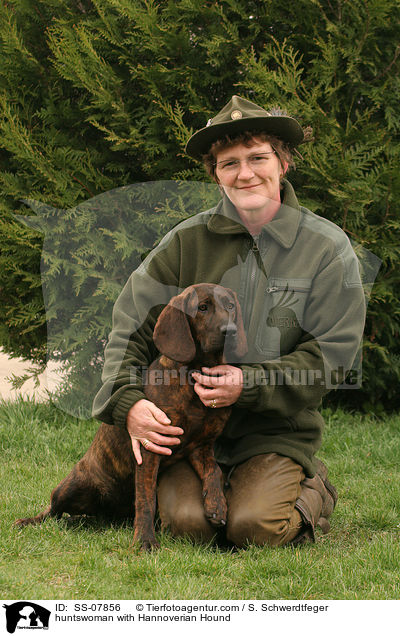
<point>203,461</point>
<point>145,500</point>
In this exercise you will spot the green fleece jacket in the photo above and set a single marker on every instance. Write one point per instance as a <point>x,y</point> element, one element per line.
<point>303,308</point>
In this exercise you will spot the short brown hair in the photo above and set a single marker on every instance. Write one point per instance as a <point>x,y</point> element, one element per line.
<point>247,138</point>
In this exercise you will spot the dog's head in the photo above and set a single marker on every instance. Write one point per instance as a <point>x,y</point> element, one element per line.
<point>203,318</point>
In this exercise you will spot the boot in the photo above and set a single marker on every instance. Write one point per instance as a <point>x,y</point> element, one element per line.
<point>329,497</point>
<point>316,503</point>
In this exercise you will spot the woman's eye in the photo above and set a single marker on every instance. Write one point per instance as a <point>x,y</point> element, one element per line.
<point>203,307</point>
<point>230,306</point>
<point>229,164</point>
<point>258,159</point>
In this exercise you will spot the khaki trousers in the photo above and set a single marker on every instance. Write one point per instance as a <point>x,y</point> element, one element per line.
<point>261,494</point>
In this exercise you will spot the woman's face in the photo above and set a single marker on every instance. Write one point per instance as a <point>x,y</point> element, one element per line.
<point>250,175</point>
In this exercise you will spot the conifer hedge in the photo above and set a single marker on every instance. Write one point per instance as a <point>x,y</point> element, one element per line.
<point>99,94</point>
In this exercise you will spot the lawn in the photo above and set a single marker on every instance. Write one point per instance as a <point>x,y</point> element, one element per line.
<point>358,559</point>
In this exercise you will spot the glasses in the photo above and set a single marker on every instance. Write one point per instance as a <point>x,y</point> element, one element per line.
<point>232,166</point>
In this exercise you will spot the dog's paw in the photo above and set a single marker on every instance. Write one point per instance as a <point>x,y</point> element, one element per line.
<point>147,545</point>
<point>145,542</point>
<point>215,508</point>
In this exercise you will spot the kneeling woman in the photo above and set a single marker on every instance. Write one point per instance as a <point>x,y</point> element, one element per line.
<point>298,284</point>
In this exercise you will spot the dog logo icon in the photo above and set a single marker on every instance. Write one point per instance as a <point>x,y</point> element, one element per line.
<point>26,615</point>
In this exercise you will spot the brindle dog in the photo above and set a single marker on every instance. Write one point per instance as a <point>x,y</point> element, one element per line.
<point>192,331</point>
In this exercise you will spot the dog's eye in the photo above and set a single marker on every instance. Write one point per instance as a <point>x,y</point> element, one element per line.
<point>203,307</point>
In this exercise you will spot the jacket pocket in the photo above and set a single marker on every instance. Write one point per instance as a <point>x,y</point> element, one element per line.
<point>281,321</point>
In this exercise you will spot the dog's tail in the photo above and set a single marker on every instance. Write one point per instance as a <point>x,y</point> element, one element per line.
<point>20,523</point>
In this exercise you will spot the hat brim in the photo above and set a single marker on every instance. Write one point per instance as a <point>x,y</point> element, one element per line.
<point>286,128</point>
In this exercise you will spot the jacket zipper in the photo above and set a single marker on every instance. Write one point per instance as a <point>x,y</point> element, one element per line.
<point>251,283</point>
<point>270,290</point>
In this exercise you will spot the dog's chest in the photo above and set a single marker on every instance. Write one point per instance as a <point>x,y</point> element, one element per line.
<point>172,390</point>
<point>169,387</point>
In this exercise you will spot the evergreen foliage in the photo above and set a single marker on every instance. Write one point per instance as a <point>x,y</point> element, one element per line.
<point>100,94</point>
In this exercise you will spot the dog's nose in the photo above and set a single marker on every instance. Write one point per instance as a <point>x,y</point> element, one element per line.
<point>229,330</point>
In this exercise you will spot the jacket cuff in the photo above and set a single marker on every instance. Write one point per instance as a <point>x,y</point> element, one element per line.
<point>249,396</point>
<point>125,402</point>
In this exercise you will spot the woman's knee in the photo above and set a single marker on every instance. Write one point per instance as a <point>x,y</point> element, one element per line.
<point>180,504</point>
<point>243,528</point>
<point>261,501</point>
<point>188,521</point>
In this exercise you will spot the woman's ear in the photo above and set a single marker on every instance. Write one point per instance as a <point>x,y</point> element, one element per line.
<point>284,168</point>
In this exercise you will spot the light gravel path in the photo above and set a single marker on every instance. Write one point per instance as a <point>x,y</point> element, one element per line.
<point>48,380</point>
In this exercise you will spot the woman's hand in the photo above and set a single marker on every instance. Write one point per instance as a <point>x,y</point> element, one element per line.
<point>219,386</point>
<point>149,425</point>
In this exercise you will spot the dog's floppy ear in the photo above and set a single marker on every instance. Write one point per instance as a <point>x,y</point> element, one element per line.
<point>172,335</point>
<point>241,340</point>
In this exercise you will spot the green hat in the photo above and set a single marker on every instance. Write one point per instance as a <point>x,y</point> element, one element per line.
<point>240,115</point>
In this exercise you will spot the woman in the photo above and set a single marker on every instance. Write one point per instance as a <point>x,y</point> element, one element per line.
<point>298,284</point>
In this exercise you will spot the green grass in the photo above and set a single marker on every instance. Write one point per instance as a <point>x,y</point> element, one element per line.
<point>358,559</point>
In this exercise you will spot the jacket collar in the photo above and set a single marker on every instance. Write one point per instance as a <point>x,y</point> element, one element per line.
<point>283,227</point>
